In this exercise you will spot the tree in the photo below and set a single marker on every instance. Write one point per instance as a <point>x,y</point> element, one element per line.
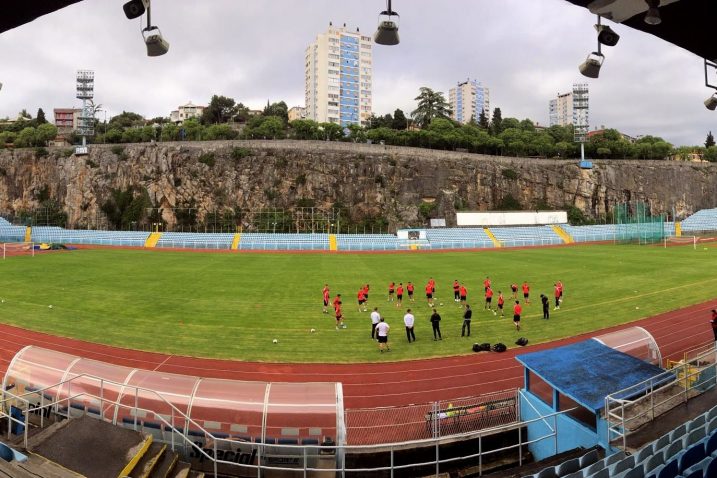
<point>305,129</point>
<point>40,117</point>
<point>496,125</point>
<point>44,133</point>
<point>277,109</point>
<point>483,122</point>
<point>431,104</point>
<point>399,120</point>
<point>331,131</point>
<point>126,119</point>
<point>710,141</point>
<point>220,110</point>
<point>26,138</point>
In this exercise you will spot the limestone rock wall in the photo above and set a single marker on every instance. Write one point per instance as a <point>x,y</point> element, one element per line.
<point>373,180</point>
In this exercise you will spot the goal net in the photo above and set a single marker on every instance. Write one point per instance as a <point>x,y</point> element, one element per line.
<point>10,249</point>
<point>635,224</point>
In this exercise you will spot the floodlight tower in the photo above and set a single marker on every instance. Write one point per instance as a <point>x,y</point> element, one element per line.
<point>581,118</point>
<point>86,92</point>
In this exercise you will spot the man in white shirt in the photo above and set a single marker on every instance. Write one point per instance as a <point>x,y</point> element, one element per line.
<point>375,319</point>
<point>408,320</point>
<point>382,335</point>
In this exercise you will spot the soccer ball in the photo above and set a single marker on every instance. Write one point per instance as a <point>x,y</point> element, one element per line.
<point>441,304</point>
<point>313,330</point>
<point>343,326</point>
<point>49,306</point>
<point>275,341</point>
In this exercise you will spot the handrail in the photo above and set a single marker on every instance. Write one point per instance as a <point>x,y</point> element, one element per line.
<point>520,392</point>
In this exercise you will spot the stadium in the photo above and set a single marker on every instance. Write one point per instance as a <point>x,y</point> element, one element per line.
<point>248,348</point>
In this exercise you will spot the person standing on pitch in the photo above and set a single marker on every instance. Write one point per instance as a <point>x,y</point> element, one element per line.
<point>456,291</point>
<point>399,294</point>
<point>327,298</point>
<point>557,297</point>
<point>526,292</point>
<point>517,310</point>
<point>501,302</point>
<point>382,334</point>
<point>375,319</point>
<point>546,306</point>
<point>463,294</point>
<point>713,323</point>
<point>467,316</point>
<point>489,300</point>
<point>409,289</point>
<point>391,290</point>
<point>436,324</point>
<point>409,321</point>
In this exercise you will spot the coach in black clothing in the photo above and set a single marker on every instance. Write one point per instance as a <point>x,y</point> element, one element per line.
<point>467,315</point>
<point>436,324</point>
<point>546,306</point>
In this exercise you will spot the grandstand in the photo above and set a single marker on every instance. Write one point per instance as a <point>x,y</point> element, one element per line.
<point>526,236</point>
<point>704,220</point>
<point>195,240</point>
<point>366,242</point>
<point>284,242</point>
<point>459,238</point>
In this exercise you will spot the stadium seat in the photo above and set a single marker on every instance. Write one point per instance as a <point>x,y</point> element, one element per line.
<point>711,469</point>
<point>652,463</point>
<point>614,458</point>
<point>575,474</point>
<point>711,444</point>
<point>567,467</point>
<point>694,436</point>
<point>604,473</point>
<point>594,468</point>
<point>672,450</point>
<point>643,453</point>
<point>711,426</point>
<point>712,413</point>
<point>696,423</point>
<point>589,458</point>
<point>622,465</point>
<point>636,472</point>
<point>548,472</point>
<point>692,456</point>
<point>669,470</point>
<point>309,441</point>
<point>661,442</point>
<point>699,468</point>
<point>678,432</point>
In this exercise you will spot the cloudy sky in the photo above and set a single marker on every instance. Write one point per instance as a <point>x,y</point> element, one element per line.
<point>526,51</point>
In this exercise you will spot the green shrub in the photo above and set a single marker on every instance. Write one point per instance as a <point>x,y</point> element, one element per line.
<point>509,174</point>
<point>208,159</point>
<point>426,208</point>
<point>117,149</point>
<point>67,152</point>
<point>300,179</point>
<point>240,153</point>
<point>41,152</point>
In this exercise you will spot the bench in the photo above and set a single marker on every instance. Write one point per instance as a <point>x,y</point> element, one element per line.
<point>471,417</point>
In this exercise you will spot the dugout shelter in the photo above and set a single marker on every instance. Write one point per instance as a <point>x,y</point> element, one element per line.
<point>250,422</point>
<point>576,379</point>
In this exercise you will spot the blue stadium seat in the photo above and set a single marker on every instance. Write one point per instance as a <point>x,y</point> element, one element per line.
<point>661,442</point>
<point>669,470</point>
<point>695,436</point>
<point>711,425</point>
<point>614,458</point>
<point>695,423</point>
<point>594,468</point>
<point>711,444</point>
<point>567,467</point>
<point>672,450</point>
<point>691,456</point>
<point>678,432</point>
<point>653,462</point>
<point>575,474</point>
<point>604,473</point>
<point>711,469</point>
<point>288,441</point>
<point>589,458</point>
<point>699,468</point>
<point>548,472</point>
<point>643,453</point>
<point>712,413</point>
<point>622,465</point>
<point>309,441</point>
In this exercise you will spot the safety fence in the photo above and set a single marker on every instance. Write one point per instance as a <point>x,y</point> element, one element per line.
<point>628,409</point>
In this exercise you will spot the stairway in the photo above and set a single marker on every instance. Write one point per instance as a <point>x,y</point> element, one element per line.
<point>563,234</point>
<point>87,447</point>
<point>152,239</point>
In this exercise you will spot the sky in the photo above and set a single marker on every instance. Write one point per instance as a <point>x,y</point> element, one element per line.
<point>525,51</point>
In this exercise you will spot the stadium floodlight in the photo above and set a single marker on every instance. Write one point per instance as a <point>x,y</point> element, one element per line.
<point>652,17</point>
<point>592,64</point>
<point>156,44</point>
<point>607,35</point>
<point>135,8</point>
<point>711,102</point>
<point>387,32</point>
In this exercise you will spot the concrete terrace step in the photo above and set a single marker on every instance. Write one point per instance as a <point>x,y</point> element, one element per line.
<point>181,470</point>
<point>35,467</point>
<point>149,461</point>
<point>196,474</point>
<point>165,465</point>
<point>92,447</point>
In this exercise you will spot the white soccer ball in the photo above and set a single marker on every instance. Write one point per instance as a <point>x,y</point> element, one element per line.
<point>276,341</point>
<point>313,330</point>
<point>3,301</point>
<point>636,307</point>
<point>49,306</point>
<point>441,304</point>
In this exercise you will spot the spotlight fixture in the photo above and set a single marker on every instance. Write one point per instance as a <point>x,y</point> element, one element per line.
<point>652,17</point>
<point>156,44</point>
<point>607,35</point>
<point>135,8</point>
<point>711,102</point>
<point>387,32</point>
<point>591,66</point>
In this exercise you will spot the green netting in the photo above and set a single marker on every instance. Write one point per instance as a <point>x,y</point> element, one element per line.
<point>635,224</point>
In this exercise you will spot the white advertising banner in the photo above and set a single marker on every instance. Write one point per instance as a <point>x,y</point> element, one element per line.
<point>522,218</point>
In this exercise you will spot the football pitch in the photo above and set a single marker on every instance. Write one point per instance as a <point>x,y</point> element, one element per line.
<point>235,305</point>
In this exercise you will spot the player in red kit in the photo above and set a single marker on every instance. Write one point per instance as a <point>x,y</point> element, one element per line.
<point>526,292</point>
<point>399,294</point>
<point>391,290</point>
<point>517,310</point>
<point>327,298</point>
<point>501,302</point>
<point>409,289</point>
<point>429,294</point>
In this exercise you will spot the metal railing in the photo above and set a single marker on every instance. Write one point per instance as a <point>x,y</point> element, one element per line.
<point>177,424</point>
<point>632,407</point>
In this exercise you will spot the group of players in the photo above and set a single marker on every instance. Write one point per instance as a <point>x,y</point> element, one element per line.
<point>460,295</point>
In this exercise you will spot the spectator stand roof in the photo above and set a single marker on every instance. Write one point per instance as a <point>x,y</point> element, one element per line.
<point>588,371</point>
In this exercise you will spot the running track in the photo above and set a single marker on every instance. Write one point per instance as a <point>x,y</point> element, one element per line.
<point>376,384</point>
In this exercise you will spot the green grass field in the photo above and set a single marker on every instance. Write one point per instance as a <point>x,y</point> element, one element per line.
<point>233,305</point>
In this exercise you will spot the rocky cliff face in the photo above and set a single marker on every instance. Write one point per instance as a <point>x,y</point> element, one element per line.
<point>404,185</point>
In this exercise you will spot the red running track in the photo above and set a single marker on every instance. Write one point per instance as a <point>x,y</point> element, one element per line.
<point>376,384</point>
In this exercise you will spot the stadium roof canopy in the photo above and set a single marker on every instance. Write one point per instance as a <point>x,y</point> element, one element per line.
<point>686,23</point>
<point>588,371</point>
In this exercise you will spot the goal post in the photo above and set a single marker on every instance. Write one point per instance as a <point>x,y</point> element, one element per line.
<point>10,249</point>
<point>682,241</point>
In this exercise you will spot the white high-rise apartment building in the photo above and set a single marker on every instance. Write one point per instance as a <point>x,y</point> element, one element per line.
<point>468,99</point>
<point>572,108</point>
<point>339,74</point>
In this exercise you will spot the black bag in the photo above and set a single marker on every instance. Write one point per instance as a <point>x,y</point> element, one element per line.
<point>499,347</point>
<point>477,348</point>
<point>485,346</point>
<point>522,342</point>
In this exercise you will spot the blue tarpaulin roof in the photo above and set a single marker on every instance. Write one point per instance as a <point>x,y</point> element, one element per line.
<point>588,371</point>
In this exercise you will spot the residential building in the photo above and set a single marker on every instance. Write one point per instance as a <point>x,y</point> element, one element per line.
<point>184,112</point>
<point>67,119</point>
<point>468,99</point>
<point>297,113</point>
<point>572,108</point>
<point>600,132</point>
<point>339,77</point>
